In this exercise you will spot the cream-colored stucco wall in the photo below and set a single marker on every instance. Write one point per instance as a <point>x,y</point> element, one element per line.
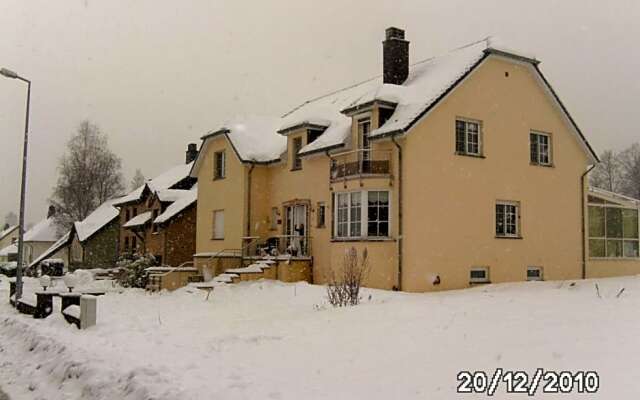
<point>449,199</point>
<point>228,194</point>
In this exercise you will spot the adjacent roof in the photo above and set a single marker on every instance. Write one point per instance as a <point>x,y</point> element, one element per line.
<point>170,195</point>
<point>614,197</point>
<point>187,198</point>
<point>64,241</point>
<point>8,231</point>
<point>95,221</point>
<point>44,231</point>
<point>161,182</point>
<point>138,220</point>
<point>254,139</point>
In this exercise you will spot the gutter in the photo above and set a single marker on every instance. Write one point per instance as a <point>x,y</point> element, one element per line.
<point>583,208</point>
<point>393,139</point>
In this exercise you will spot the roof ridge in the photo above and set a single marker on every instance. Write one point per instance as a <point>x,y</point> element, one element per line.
<point>486,39</point>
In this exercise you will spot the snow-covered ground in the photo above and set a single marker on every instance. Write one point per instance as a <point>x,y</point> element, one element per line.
<point>270,340</point>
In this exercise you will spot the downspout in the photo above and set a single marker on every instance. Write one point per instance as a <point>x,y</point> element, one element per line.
<point>248,228</point>
<point>584,233</point>
<point>393,139</point>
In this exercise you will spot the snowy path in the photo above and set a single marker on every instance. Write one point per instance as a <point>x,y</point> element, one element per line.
<point>279,341</point>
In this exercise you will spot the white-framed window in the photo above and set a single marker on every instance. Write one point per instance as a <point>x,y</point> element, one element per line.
<point>364,127</point>
<point>614,231</point>
<point>507,219</point>
<point>540,148</point>
<point>468,137</point>
<point>296,159</point>
<point>218,224</point>
<point>219,165</point>
<point>479,275</point>
<point>362,214</point>
<point>534,273</point>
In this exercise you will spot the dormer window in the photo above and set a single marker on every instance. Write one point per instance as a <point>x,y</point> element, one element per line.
<point>313,134</point>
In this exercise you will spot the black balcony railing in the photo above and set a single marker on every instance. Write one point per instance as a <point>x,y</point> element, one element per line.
<point>360,162</point>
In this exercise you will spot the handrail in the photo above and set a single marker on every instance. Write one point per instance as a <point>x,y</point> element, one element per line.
<point>174,269</point>
<point>360,162</point>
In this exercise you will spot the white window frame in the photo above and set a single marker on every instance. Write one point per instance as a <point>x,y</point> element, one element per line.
<point>540,273</point>
<point>539,152</point>
<point>608,205</point>
<point>467,122</point>
<point>517,219</point>
<point>223,170</point>
<point>486,278</point>
<point>215,217</point>
<point>364,203</point>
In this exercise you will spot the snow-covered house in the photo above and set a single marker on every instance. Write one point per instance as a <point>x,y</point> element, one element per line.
<point>140,208</point>
<point>461,169</point>
<point>41,237</point>
<point>91,243</point>
<point>8,236</point>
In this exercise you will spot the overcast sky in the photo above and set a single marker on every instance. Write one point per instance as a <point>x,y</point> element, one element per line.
<point>155,75</point>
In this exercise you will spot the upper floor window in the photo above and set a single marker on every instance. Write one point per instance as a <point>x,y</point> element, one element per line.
<point>468,137</point>
<point>540,146</point>
<point>219,165</point>
<point>297,146</point>
<point>613,231</point>
<point>362,214</point>
<point>126,215</point>
<point>507,219</point>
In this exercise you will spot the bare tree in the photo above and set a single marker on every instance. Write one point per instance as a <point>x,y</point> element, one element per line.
<point>630,162</point>
<point>11,219</point>
<point>138,180</point>
<point>608,174</point>
<point>89,174</point>
<point>343,288</point>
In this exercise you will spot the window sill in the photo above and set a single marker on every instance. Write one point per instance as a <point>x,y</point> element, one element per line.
<point>542,165</point>
<point>219,178</point>
<point>614,258</point>
<point>296,169</point>
<point>457,153</point>
<point>479,283</point>
<point>351,240</point>
<point>509,237</point>
<point>217,238</point>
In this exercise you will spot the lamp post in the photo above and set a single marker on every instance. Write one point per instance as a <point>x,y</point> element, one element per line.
<point>10,74</point>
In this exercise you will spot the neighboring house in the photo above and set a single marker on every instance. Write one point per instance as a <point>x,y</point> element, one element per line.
<point>9,236</point>
<point>41,237</point>
<point>9,253</point>
<point>91,243</point>
<point>139,208</point>
<point>458,170</point>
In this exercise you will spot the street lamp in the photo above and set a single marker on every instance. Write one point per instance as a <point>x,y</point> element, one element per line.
<point>10,74</point>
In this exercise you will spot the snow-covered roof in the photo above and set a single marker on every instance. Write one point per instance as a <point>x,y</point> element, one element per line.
<point>100,217</point>
<point>161,182</point>
<point>170,195</point>
<point>44,231</point>
<point>427,83</point>
<point>10,249</point>
<point>254,139</point>
<point>7,231</point>
<point>62,242</point>
<point>138,220</point>
<point>188,197</point>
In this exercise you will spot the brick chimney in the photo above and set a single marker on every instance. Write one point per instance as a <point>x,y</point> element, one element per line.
<point>192,152</point>
<point>395,57</point>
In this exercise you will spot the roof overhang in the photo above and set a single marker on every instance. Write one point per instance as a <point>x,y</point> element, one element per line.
<point>302,125</point>
<point>358,108</point>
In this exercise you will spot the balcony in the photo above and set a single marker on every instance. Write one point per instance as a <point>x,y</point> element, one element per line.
<point>360,163</point>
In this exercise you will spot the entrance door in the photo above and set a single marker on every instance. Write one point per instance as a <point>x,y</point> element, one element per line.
<point>296,229</point>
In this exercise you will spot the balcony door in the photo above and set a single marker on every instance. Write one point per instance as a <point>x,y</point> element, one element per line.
<point>296,228</point>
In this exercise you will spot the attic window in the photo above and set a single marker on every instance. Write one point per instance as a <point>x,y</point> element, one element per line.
<point>313,134</point>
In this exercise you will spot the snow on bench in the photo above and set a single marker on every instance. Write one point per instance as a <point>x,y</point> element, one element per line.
<point>72,311</point>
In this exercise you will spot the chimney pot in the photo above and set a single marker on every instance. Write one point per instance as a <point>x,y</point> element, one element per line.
<point>395,56</point>
<point>192,152</point>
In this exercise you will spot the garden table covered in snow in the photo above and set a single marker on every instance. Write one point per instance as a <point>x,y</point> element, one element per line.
<point>207,287</point>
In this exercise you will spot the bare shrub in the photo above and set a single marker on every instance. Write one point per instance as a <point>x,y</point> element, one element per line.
<point>343,287</point>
